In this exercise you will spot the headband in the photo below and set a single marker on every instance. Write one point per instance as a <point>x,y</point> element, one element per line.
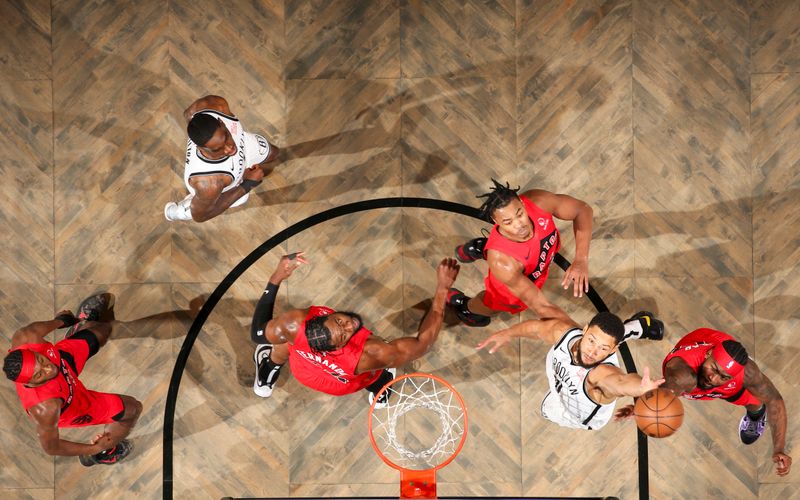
<point>28,366</point>
<point>725,360</point>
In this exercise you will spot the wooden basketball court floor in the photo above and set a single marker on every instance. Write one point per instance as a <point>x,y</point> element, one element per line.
<point>678,121</point>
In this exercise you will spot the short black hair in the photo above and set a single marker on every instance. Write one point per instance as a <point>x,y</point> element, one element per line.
<point>318,335</point>
<point>610,324</point>
<point>736,351</point>
<point>12,365</point>
<point>202,127</point>
<point>498,197</point>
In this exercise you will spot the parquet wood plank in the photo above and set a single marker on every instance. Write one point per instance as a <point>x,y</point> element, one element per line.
<point>691,136</point>
<point>775,35</point>
<point>574,115</point>
<point>26,261</point>
<point>343,144</point>
<point>342,39</point>
<point>457,38</point>
<point>25,42</point>
<point>458,133</point>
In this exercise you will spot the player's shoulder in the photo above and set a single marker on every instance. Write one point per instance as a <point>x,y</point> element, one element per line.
<point>502,263</point>
<point>602,371</point>
<point>558,331</point>
<point>539,197</point>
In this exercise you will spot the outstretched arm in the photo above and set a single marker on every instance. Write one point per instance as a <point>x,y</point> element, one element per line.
<point>548,330</point>
<point>207,102</point>
<point>266,303</point>
<point>46,415</point>
<point>614,383</point>
<point>762,388</point>
<point>35,332</point>
<point>566,207</point>
<point>380,354</point>
<point>509,272</point>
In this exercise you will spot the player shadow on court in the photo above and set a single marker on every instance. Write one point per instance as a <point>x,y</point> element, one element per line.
<point>671,223</point>
<point>405,110</point>
<point>775,308</point>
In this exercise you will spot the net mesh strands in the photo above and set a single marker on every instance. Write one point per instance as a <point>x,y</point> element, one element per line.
<point>423,426</point>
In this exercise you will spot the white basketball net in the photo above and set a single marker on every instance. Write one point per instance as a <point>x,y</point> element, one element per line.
<point>421,410</point>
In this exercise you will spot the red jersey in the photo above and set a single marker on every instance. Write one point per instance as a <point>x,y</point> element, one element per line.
<point>76,400</point>
<point>536,254</point>
<point>332,372</point>
<point>693,348</point>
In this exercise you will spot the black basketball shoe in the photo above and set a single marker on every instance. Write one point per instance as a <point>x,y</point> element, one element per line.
<point>266,372</point>
<point>652,328</point>
<point>94,308</point>
<point>471,250</point>
<point>458,301</point>
<point>110,456</point>
<point>383,400</point>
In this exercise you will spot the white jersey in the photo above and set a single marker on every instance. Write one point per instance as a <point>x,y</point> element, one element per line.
<point>251,149</point>
<point>567,402</point>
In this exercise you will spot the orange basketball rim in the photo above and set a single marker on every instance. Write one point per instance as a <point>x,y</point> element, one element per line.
<point>419,430</point>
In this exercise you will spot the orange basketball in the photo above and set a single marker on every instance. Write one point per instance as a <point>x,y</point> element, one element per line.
<point>658,413</point>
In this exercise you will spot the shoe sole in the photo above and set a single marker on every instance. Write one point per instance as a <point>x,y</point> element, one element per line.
<point>107,301</point>
<point>88,460</point>
<point>473,323</point>
<point>451,294</point>
<point>255,381</point>
<point>465,259</point>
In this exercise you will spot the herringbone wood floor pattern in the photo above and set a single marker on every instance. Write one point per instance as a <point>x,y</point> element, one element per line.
<point>677,120</point>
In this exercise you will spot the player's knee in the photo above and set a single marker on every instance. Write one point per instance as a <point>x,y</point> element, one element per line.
<point>101,330</point>
<point>133,408</point>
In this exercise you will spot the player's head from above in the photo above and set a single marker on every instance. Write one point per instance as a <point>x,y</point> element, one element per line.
<point>211,136</point>
<point>600,339</point>
<point>28,367</point>
<point>725,361</point>
<point>332,332</point>
<point>503,207</point>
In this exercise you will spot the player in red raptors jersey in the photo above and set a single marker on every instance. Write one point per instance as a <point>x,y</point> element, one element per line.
<point>46,377</point>
<point>332,351</point>
<point>708,364</point>
<point>519,250</point>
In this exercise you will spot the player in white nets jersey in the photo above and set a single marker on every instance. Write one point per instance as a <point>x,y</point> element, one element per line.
<point>223,162</point>
<point>582,367</point>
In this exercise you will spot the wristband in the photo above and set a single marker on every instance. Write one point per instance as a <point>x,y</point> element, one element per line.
<point>67,320</point>
<point>249,184</point>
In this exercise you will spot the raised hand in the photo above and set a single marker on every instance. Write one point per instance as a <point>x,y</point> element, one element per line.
<point>496,341</point>
<point>287,266</point>
<point>578,274</point>
<point>647,383</point>
<point>102,441</point>
<point>446,273</point>
<point>254,173</point>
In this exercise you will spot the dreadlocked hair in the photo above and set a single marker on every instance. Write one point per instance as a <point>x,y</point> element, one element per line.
<point>12,365</point>
<point>736,351</point>
<point>498,197</point>
<point>318,335</point>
